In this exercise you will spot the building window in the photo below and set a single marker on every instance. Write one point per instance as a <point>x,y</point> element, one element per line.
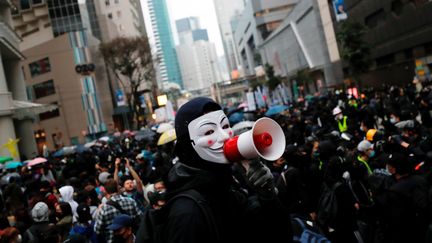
<point>375,18</point>
<point>107,2</point>
<point>35,2</point>
<point>116,1</point>
<point>385,60</point>
<point>118,14</point>
<point>40,67</point>
<point>110,15</point>
<point>50,114</point>
<point>25,4</point>
<point>44,89</point>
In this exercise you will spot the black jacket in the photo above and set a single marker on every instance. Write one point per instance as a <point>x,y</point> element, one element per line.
<point>238,217</point>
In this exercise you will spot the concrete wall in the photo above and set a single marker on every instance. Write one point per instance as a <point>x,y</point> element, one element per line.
<point>300,43</point>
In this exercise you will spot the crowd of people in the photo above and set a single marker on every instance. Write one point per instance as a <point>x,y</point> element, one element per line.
<point>355,169</point>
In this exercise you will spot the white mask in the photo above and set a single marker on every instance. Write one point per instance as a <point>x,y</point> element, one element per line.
<point>208,134</point>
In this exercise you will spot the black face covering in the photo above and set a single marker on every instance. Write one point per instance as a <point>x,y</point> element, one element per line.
<point>184,150</point>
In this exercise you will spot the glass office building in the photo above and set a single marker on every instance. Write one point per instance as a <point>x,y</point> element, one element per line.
<point>168,63</point>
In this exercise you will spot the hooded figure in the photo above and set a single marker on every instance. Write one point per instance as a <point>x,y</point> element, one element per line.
<point>40,212</point>
<point>205,174</point>
<point>40,227</point>
<point>66,193</point>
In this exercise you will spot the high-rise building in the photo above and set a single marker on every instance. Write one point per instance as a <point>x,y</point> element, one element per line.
<point>197,56</point>
<point>158,27</point>
<point>16,112</point>
<point>113,18</point>
<point>228,12</point>
<point>189,30</point>
<point>305,40</point>
<point>258,19</point>
<point>400,37</point>
<point>60,40</point>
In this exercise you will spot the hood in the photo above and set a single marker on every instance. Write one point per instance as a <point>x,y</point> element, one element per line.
<point>182,177</point>
<point>40,212</point>
<point>66,193</point>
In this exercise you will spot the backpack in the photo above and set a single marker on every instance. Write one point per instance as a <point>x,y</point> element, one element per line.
<point>135,218</point>
<point>308,233</point>
<point>36,236</point>
<point>327,205</point>
<point>153,221</point>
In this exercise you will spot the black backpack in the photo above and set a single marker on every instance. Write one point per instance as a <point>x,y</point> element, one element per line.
<point>328,206</point>
<point>153,221</point>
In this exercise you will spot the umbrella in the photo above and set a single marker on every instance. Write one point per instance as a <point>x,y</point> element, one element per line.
<point>65,151</point>
<point>5,179</point>
<point>146,134</point>
<point>274,110</point>
<point>81,149</point>
<point>236,117</point>
<point>242,127</point>
<point>167,137</point>
<point>163,127</point>
<point>5,159</point>
<point>36,161</point>
<point>90,144</point>
<point>243,105</point>
<point>104,139</point>
<point>13,164</point>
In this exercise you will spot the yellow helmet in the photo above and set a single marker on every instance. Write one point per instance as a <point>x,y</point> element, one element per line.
<point>370,134</point>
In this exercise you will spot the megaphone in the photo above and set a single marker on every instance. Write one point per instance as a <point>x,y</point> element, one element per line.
<point>266,140</point>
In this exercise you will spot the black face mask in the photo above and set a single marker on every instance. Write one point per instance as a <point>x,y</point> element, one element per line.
<point>118,239</point>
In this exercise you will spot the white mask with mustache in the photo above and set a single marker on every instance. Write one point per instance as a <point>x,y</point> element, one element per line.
<point>208,134</point>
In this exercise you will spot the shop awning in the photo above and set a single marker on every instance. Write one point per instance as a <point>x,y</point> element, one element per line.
<point>25,109</point>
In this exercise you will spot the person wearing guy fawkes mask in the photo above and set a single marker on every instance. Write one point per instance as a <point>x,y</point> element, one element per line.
<point>202,128</point>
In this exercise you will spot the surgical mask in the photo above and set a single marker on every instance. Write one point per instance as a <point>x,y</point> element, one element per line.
<point>208,134</point>
<point>316,155</point>
<point>392,120</point>
<point>339,117</point>
<point>372,154</point>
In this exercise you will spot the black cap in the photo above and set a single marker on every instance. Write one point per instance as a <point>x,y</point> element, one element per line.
<point>400,162</point>
<point>83,212</point>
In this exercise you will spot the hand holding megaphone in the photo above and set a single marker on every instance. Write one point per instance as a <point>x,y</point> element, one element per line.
<point>266,140</point>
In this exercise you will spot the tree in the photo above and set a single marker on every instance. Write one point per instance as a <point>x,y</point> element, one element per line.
<point>355,50</point>
<point>131,61</point>
<point>273,81</point>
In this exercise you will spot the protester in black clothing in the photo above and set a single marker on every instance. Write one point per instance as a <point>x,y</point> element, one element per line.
<point>404,204</point>
<point>202,128</point>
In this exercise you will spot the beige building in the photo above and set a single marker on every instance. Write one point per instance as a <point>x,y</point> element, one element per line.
<point>63,68</point>
<point>83,99</point>
<point>119,18</point>
<point>60,40</point>
<point>15,111</point>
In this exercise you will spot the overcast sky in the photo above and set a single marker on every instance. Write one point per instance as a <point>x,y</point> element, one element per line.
<point>204,9</point>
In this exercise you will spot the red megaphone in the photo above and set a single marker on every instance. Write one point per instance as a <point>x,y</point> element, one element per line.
<point>266,140</point>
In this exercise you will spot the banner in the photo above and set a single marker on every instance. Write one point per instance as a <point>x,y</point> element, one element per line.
<point>339,9</point>
<point>251,101</point>
<point>120,98</point>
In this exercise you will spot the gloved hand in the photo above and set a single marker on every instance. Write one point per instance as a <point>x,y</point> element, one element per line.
<point>260,179</point>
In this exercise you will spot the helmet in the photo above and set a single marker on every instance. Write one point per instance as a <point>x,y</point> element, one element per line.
<point>370,134</point>
<point>336,111</point>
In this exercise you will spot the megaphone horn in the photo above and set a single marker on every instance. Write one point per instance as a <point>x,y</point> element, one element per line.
<point>266,140</point>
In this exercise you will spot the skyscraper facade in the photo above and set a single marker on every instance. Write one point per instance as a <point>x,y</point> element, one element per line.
<point>197,56</point>
<point>227,12</point>
<point>161,39</point>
